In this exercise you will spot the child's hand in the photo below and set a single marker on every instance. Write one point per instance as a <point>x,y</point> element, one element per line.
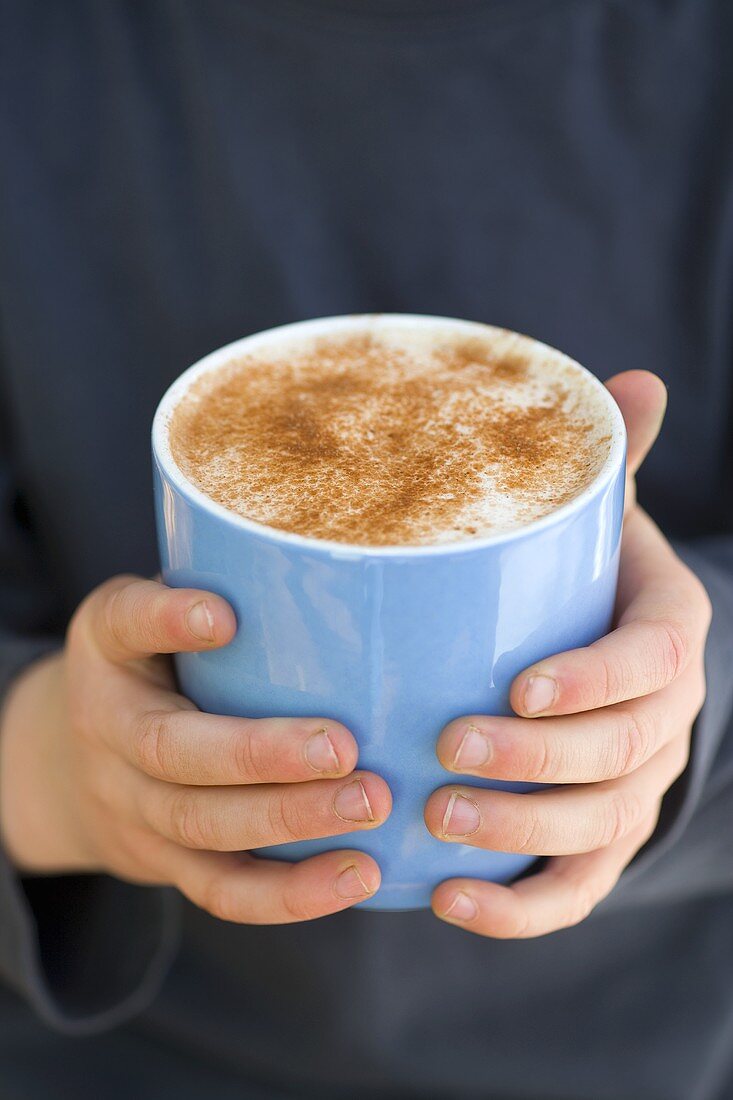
<point>103,767</point>
<point>610,722</point>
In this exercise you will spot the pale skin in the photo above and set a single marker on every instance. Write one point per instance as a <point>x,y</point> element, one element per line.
<point>104,767</point>
<point>612,722</point>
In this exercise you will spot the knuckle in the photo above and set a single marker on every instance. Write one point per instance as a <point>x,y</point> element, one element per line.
<point>615,679</point>
<point>675,649</point>
<point>151,735</point>
<point>635,741</point>
<point>188,824</point>
<point>668,650</point>
<point>113,617</point>
<point>604,682</point>
<point>116,583</point>
<point>528,831</point>
<point>248,757</point>
<point>287,818</point>
<point>102,604</point>
<point>623,812</point>
<point>536,761</point>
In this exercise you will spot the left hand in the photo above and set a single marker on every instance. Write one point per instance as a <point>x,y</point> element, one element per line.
<point>611,722</point>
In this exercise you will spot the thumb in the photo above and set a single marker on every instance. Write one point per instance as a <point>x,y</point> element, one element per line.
<point>642,399</point>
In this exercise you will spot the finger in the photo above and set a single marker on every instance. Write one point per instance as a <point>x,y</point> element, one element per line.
<point>129,618</point>
<point>169,740</point>
<point>560,821</point>
<point>642,399</point>
<point>230,819</point>
<point>562,894</point>
<point>664,616</point>
<point>583,748</point>
<point>245,890</point>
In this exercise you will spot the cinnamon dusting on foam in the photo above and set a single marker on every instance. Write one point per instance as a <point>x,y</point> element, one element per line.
<point>403,439</point>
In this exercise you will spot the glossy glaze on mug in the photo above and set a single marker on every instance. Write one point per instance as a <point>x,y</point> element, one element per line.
<point>393,642</point>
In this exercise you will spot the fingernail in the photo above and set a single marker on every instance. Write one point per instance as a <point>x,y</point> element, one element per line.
<point>320,753</point>
<point>350,884</point>
<point>462,907</point>
<point>200,622</point>
<point>461,817</point>
<point>473,751</point>
<point>351,803</point>
<point>539,694</point>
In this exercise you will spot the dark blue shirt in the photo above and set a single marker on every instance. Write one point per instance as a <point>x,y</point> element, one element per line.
<point>176,174</point>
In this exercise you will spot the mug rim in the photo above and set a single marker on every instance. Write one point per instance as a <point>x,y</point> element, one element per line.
<point>162,453</point>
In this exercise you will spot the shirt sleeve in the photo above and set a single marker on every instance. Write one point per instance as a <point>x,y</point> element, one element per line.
<point>86,951</point>
<point>691,851</point>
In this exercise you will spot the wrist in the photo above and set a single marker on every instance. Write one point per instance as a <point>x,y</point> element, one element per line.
<point>36,829</point>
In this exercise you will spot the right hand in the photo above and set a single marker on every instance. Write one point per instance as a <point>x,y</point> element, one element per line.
<point>105,768</point>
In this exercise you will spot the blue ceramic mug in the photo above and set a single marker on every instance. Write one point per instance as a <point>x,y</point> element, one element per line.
<point>393,642</point>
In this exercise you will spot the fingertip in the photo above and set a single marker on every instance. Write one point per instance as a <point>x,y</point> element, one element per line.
<point>639,393</point>
<point>487,909</point>
<point>642,399</point>
<point>336,744</point>
<point>442,897</point>
<point>445,754</point>
<point>358,877</point>
<point>206,619</point>
<point>658,387</point>
<point>636,377</point>
<point>535,692</point>
<point>465,748</point>
<point>378,794</point>
<point>453,814</point>
<point>221,619</point>
<point>200,622</point>
<point>439,809</point>
<point>455,903</point>
<point>335,880</point>
<point>225,621</point>
<point>434,810</point>
<point>515,696</point>
<point>449,740</point>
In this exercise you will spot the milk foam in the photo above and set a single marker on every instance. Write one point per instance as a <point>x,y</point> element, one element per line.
<point>394,436</point>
